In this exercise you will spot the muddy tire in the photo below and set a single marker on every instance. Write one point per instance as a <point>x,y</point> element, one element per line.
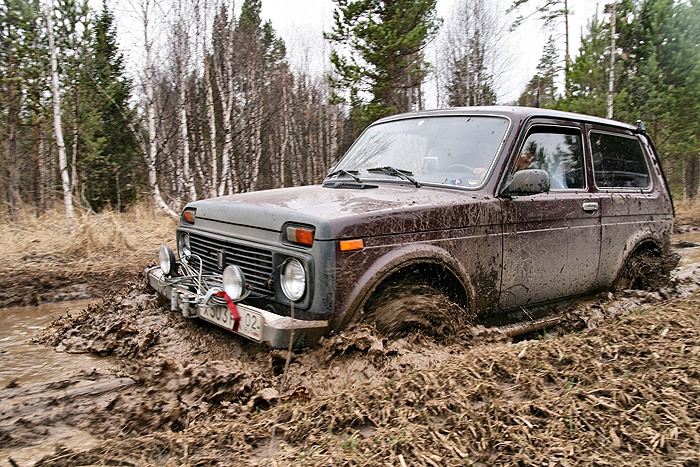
<point>646,270</point>
<point>402,309</point>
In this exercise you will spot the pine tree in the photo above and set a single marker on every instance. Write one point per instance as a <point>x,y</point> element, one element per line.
<point>114,174</point>
<point>589,72</point>
<point>378,59</point>
<point>541,90</point>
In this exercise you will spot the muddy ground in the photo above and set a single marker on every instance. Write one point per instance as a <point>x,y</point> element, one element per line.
<point>618,383</point>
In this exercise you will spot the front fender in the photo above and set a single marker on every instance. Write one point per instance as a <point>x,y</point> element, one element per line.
<point>392,262</point>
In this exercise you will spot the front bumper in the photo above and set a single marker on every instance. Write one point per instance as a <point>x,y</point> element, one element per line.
<point>276,331</point>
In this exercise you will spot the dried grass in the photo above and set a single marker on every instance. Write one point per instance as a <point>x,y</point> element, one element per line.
<point>105,240</point>
<point>687,213</point>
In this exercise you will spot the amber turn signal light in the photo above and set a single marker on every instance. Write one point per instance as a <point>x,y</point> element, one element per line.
<point>189,215</point>
<point>300,236</point>
<point>352,245</point>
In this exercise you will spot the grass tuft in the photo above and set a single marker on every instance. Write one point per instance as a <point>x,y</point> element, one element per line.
<point>127,238</point>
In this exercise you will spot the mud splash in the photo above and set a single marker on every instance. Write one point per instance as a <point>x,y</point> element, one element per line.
<point>624,390</point>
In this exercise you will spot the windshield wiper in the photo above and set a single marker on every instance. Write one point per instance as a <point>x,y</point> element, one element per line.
<point>350,173</point>
<point>394,172</point>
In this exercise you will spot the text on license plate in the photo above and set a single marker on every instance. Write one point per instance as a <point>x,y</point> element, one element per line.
<point>250,325</point>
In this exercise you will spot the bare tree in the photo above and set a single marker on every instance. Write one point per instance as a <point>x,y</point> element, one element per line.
<point>182,53</point>
<point>150,149</point>
<point>58,129</point>
<point>473,55</point>
<point>238,120</point>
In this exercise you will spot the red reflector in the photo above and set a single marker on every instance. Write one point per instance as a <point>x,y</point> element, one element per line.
<point>351,245</point>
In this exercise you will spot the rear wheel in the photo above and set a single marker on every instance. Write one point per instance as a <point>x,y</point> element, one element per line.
<point>646,270</point>
<point>400,309</point>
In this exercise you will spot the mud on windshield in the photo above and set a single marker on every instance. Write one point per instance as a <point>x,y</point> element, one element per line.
<point>449,150</point>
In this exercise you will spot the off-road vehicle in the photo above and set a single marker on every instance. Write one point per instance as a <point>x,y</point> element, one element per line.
<point>494,209</point>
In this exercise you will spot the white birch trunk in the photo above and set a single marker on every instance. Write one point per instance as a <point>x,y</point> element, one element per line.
<point>224,80</point>
<point>62,160</point>
<point>256,153</point>
<point>182,66</point>
<point>151,149</point>
<point>185,144</point>
<point>226,185</point>
<point>287,116</point>
<point>211,113</point>
<point>611,81</point>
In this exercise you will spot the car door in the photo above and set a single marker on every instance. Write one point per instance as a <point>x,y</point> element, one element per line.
<point>551,241</point>
<point>634,207</point>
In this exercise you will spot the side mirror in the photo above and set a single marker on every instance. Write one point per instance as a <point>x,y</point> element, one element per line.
<point>527,182</point>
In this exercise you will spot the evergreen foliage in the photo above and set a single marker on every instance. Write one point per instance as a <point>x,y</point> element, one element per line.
<point>23,115</point>
<point>378,59</point>
<point>113,177</point>
<point>657,80</point>
<point>95,101</point>
<point>541,90</point>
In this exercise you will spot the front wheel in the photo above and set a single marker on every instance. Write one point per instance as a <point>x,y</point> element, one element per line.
<point>401,309</point>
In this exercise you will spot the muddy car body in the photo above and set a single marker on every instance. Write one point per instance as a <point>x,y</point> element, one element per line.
<point>496,208</point>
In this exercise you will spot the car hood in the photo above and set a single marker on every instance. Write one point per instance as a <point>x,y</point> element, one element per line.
<point>350,213</point>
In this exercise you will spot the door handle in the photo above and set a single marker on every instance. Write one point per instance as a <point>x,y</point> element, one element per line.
<point>590,206</point>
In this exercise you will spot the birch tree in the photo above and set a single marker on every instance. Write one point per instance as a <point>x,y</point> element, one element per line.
<point>58,129</point>
<point>150,148</point>
<point>182,53</point>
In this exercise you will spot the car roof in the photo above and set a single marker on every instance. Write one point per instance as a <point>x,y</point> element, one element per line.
<point>513,112</point>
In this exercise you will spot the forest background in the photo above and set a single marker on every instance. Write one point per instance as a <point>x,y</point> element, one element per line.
<point>218,109</point>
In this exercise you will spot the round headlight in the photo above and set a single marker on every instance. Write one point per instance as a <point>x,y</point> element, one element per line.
<point>166,258</point>
<point>293,279</point>
<point>183,246</point>
<point>234,282</point>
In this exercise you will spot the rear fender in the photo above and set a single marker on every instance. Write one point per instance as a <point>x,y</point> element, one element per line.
<point>644,240</point>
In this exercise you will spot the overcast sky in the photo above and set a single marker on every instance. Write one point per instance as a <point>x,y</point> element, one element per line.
<point>301,24</point>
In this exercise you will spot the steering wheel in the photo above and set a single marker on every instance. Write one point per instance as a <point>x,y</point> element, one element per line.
<point>459,168</point>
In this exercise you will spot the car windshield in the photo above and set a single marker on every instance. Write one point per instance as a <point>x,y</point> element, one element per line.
<point>448,150</point>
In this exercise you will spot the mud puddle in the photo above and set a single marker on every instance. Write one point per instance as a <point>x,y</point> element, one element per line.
<point>27,362</point>
<point>183,392</point>
<point>36,380</point>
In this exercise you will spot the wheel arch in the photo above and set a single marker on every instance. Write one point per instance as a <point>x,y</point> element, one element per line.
<point>643,243</point>
<point>433,263</point>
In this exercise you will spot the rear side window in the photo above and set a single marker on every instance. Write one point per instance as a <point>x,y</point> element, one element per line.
<point>618,162</point>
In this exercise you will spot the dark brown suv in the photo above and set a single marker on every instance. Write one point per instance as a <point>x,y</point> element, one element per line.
<point>495,208</point>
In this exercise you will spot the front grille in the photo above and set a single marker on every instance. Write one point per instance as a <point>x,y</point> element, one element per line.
<point>256,263</point>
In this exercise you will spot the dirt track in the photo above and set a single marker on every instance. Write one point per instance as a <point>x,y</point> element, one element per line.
<point>617,383</point>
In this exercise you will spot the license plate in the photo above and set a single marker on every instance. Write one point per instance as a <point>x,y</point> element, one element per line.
<point>250,325</point>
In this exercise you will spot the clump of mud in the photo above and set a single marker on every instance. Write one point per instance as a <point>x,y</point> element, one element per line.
<point>624,389</point>
<point>626,392</point>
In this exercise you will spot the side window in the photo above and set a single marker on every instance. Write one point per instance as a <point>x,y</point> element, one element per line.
<point>558,151</point>
<point>618,162</point>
